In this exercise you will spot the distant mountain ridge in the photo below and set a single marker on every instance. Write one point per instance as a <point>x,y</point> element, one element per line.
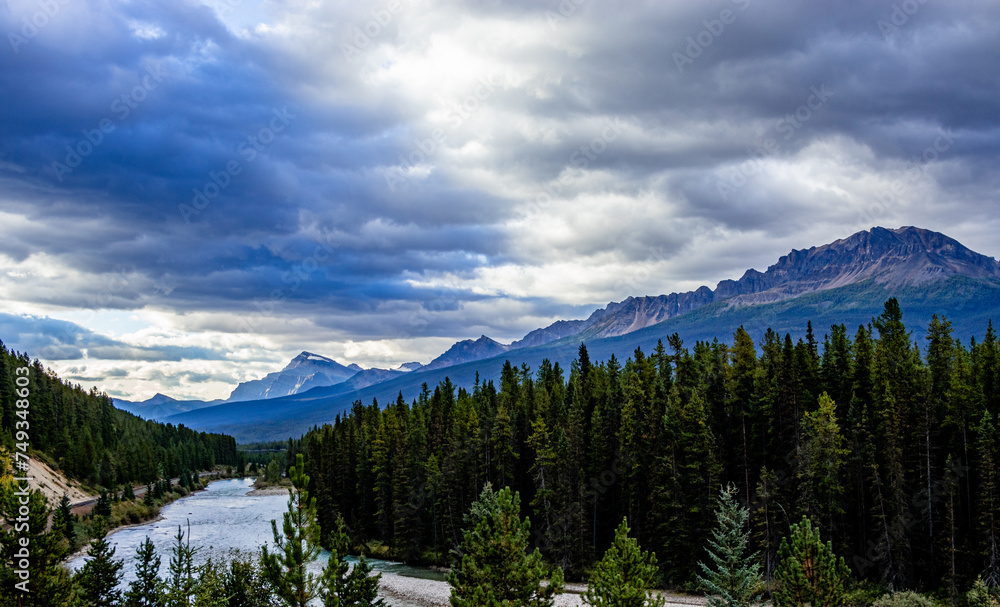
<point>876,263</point>
<point>304,372</point>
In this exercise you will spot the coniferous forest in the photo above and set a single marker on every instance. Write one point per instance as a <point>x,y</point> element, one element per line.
<point>888,446</point>
<point>92,441</point>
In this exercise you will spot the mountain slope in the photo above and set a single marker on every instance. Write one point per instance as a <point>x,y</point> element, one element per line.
<point>465,351</point>
<point>304,372</point>
<point>161,405</point>
<point>968,303</point>
<point>900,257</point>
<point>846,281</point>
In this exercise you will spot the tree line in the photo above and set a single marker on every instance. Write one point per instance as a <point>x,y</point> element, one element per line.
<point>88,439</point>
<point>889,447</point>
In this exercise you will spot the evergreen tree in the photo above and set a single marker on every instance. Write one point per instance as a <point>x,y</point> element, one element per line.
<point>732,578</point>
<point>98,578</point>
<point>809,572</point>
<point>182,581</point>
<point>621,578</point>
<point>128,494</point>
<point>65,520</point>
<point>147,589</point>
<point>346,586</point>
<point>493,567</point>
<point>211,588</point>
<point>820,460</point>
<point>49,584</point>
<point>103,505</point>
<point>244,584</point>
<point>286,569</point>
<point>988,502</point>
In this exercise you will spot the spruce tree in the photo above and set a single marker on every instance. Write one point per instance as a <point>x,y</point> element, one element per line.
<point>49,584</point>
<point>809,572</point>
<point>297,545</point>
<point>98,578</point>
<point>621,578</point>
<point>65,520</point>
<point>103,505</point>
<point>819,461</point>
<point>733,578</point>
<point>182,582</point>
<point>346,586</point>
<point>147,589</point>
<point>244,583</point>
<point>493,567</point>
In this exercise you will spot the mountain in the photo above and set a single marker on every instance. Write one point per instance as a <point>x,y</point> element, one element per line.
<point>161,405</point>
<point>405,367</point>
<point>905,256</point>
<point>304,372</point>
<point>846,281</point>
<point>465,351</point>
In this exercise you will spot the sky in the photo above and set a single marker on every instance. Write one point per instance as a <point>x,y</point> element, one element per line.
<point>193,192</point>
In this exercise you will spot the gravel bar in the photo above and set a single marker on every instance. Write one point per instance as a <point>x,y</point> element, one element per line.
<point>402,591</point>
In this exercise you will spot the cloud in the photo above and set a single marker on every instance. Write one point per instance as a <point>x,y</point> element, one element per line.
<point>54,339</point>
<point>278,174</point>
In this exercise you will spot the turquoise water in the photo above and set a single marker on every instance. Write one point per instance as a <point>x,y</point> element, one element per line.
<point>220,519</point>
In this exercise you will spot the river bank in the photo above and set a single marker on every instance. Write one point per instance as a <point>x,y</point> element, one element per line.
<point>405,591</point>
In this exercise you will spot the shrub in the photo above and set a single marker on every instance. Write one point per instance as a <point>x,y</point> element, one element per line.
<point>981,596</point>
<point>903,599</point>
<point>863,594</point>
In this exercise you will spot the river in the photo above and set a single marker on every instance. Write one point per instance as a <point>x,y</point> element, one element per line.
<point>222,518</point>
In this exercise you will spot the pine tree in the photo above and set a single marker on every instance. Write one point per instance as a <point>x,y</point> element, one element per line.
<point>211,588</point>
<point>244,583</point>
<point>128,494</point>
<point>683,499</point>
<point>297,545</point>
<point>65,521</point>
<point>182,582</point>
<point>809,572</point>
<point>49,584</point>
<point>98,578</point>
<point>621,578</point>
<point>103,505</point>
<point>493,566</point>
<point>346,586</point>
<point>988,499</point>
<point>147,589</point>
<point>820,460</point>
<point>733,579</point>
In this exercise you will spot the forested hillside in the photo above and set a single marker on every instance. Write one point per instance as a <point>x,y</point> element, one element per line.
<point>889,446</point>
<point>92,441</point>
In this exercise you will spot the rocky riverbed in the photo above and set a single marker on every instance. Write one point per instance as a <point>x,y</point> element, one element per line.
<point>402,591</point>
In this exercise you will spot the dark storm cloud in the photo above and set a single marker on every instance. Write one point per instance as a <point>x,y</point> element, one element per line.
<point>217,169</point>
<point>53,339</point>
